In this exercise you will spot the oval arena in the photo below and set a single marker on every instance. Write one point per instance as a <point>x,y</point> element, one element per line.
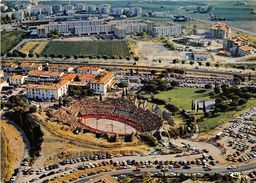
<point>117,116</point>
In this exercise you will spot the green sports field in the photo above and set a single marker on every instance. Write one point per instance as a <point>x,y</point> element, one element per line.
<point>183,97</point>
<point>87,48</point>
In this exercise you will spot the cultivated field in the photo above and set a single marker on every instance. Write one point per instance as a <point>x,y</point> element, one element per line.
<point>87,48</point>
<point>10,39</point>
<point>33,47</point>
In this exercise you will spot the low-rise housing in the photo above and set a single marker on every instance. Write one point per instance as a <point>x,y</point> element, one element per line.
<point>88,70</point>
<point>47,92</point>
<point>30,66</point>
<point>45,74</point>
<point>245,50</point>
<point>238,46</point>
<point>3,83</point>
<point>201,56</point>
<point>60,68</point>
<point>17,80</point>
<point>9,67</point>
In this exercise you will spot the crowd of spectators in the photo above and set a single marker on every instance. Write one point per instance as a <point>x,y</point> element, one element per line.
<point>110,108</point>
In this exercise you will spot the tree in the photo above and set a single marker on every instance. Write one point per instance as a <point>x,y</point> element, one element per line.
<point>131,72</point>
<point>191,62</point>
<point>174,83</point>
<point>208,64</point>
<point>204,107</point>
<point>75,57</point>
<point>208,86</point>
<point>52,55</point>
<point>122,84</point>
<point>200,63</point>
<point>183,61</point>
<point>136,58</point>
<point>217,90</point>
<point>153,72</point>
<point>33,109</point>
<point>67,101</point>
<point>67,56</point>
<point>30,55</point>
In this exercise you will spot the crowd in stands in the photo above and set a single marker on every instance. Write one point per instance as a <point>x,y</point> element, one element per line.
<point>110,108</point>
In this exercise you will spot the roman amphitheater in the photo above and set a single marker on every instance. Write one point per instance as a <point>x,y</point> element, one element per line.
<point>114,116</point>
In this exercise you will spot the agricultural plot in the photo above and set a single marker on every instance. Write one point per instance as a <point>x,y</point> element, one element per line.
<point>10,39</point>
<point>33,47</point>
<point>87,48</point>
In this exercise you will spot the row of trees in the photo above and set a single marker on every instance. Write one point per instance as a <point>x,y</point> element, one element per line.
<point>208,64</point>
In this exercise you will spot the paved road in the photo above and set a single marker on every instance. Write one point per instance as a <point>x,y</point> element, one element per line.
<point>185,171</point>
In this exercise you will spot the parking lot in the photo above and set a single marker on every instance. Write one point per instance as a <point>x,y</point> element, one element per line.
<point>239,138</point>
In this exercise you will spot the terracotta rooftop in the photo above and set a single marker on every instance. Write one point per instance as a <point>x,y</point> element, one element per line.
<point>27,64</point>
<point>16,76</point>
<point>59,66</point>
<point>220,25</point>
<point>104,79</point>
<point>45,73</point>
<point>84,68</point>
<point>245,48</point>
<point>47,87</point>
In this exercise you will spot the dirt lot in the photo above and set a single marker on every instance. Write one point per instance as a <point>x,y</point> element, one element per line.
<point>155,50</point>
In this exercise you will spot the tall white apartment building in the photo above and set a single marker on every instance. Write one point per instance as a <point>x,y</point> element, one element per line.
<point>80,6</point>
<point>117,11</point>
<point>136,11</point>
<point>57,8</point>
<point>104,8</point>
<point>90,8</point>
<point>69,7</point>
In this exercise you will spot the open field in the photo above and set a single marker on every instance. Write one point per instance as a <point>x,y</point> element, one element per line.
<point>12,149</point>
<point>10,39</point>
<point>87,48</point>
<point>33,47</point>
<point>183,97</point>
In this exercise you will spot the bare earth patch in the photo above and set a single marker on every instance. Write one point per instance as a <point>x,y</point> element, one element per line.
<point>14,149</point>
<point>155,50</point>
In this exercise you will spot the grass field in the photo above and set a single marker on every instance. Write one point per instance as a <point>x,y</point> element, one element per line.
<point>10,39</point>
<point>87,48</point>
<point>183,97</point>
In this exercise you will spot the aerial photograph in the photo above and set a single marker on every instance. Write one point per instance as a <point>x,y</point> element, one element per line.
<point>128,91</point>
